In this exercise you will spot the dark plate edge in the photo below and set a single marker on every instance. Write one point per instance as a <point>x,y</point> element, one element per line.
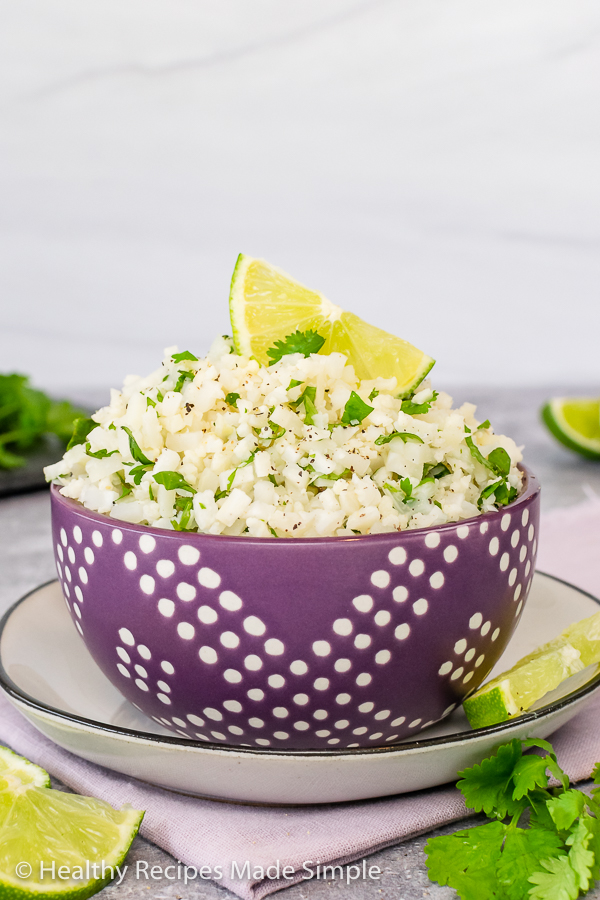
<point>12,690</point>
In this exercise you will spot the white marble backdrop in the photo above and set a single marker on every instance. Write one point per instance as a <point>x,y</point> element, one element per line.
<point>432,165</point>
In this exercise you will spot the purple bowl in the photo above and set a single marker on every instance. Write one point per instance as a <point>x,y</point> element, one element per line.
<point>305,643</point>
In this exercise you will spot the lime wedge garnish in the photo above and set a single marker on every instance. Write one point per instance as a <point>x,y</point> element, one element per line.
<point>266,305</point>
<point>575,422</point>
<point>517,690</point>
<point>42,830</point>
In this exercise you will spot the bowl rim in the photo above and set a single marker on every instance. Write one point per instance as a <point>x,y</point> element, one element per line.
<point>529,491</point>
<point>20,696</point>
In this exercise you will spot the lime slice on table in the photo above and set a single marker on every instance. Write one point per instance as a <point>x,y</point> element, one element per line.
<point>39,825</point>
<point>266,305</point>
<point>517,690</point>
<point>575,422</point>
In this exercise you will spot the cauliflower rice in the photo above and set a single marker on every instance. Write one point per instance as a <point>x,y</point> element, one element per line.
<point>283,451</point>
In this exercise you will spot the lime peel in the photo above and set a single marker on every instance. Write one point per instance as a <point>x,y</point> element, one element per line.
<point>517,690</point>
<point>575,422</point>
<point>43,830</point>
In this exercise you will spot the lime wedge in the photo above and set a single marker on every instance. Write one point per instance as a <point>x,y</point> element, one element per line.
<point>575,422</point>
<point>518,689</point>
<point>266,305</point>
<point>54,844</point>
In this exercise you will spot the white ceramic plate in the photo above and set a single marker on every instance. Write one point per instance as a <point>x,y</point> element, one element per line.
<point>47,673</point>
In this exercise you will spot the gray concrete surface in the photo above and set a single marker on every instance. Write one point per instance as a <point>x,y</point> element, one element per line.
<point>26,561</point>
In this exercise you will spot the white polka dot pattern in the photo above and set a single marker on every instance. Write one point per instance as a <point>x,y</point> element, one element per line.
<point>362,646</point>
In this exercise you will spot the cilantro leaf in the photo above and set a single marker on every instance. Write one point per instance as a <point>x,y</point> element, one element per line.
<point>332,476</point>
<point>520,858</point>
<point>134,449</point>
<point>374,393</point>
<point>304,342</point>
<point>405,435</point>
<point>418,409</point>
<point>307,399</point>
<point>180,357</point>
<point>231,398</point>
<point>81,429</point>
<point>293,383</point>
<point>99,454</point>
<point>436,470</point>
<point>500,461</point>
<point>467,860</point>
<point>484,425</point>
<point>488,787</point>
<point>184,375</point>
<point>150,402</point>
<point>528,774</point>
<point>355,410</point>
<point>231,478</point>
<point>137,473</point>
<point>126,488</point>
<point>173,481</point>
<point>557,882</point>
<point>565,808</point>
<point>581,859</point>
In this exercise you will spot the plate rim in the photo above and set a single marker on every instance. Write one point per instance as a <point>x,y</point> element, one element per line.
<point>21,697</point>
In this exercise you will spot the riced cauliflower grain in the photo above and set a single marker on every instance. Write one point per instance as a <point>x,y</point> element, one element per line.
<point>223,445</point>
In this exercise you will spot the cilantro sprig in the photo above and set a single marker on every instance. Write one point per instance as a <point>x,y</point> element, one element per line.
<point>26,415</point>
<point>304,342</point>
<point>543,843</point>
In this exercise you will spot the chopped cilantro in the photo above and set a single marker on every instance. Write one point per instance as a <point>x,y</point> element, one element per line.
<point>307,399</point>
<point>272,479</point>
<point>405,435</point>
<point>231,397</point>
<point>435,470</point>
<point>277,431</point>
<point>134,448</point>
<point>180,357</point>
<point>418,409</point>
<point>500,461</point>
<point>332,476</point>
<point>231,478</point>
<point>219,494</point>
<point>126,488</point>
<point>81,429</point>
<point>293,383</point>
<point>543,843</point>
<point>173,481</point>
<point>112,427</point>
<point>184,375</point>
<point>355,410</point>
<point>137,473</point>
<point>99,454</point>
<point>484,425</point>
<point>272,530</point>
<point>374,393</point>
<point>305,342</point>
<point>184,505</point>
<point>150,402</point>
<point>159,396</point>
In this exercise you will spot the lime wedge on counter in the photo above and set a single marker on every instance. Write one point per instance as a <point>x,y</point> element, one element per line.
<point>266,305</point>
<point>43,827</point>
<point>575,422</point>
<point>517,690</point>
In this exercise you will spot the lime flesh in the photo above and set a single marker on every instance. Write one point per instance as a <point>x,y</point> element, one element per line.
<point>575,422</point>
<point>266,305</point>
<point>54,844</point>
<point>518,689</point>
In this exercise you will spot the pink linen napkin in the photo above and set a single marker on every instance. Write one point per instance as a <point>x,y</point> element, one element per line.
<point>213,834</point>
